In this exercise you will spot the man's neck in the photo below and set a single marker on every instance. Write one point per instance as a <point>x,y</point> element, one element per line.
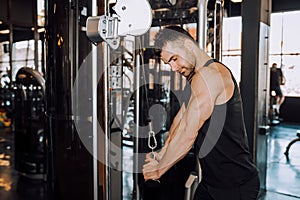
<point>201,59</point>
<point>190,76</point>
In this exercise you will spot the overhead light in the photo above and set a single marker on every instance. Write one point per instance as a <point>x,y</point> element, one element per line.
<point>6,31</point>
<point>1,22</point>
<point>40,30</point>
<point>236,1</point>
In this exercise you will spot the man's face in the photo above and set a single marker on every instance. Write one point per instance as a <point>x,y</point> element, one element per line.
<point>178,57</point>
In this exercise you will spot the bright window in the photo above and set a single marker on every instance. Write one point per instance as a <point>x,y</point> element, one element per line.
<point>23,55</point>
<point>232,45</point>
<point>285,49</point>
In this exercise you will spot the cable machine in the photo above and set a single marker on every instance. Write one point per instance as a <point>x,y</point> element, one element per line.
<point>137,88</point>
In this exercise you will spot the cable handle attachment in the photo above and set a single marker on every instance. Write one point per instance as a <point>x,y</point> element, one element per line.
<point>151,136</point>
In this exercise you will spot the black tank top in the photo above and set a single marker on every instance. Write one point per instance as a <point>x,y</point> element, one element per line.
<point>275,78</point>
<point>222,145</point>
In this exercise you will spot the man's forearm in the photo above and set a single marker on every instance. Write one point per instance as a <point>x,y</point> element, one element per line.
<point>175,124</point>
<point>174,152</point>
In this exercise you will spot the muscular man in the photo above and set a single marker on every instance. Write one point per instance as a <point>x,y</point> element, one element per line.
<point>212,122</point>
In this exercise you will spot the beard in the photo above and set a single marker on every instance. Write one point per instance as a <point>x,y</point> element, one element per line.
<point>190,75</point>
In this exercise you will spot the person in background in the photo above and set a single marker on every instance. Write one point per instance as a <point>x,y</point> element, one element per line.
<point>277,79</point>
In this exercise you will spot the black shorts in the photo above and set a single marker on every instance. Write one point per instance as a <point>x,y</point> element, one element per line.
<point>277,90</point>
<point>247,191</point>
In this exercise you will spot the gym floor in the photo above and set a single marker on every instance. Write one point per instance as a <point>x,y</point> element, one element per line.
<point>283,177</point>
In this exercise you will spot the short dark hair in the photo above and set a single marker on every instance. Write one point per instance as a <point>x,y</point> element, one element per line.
<point>169,33</point>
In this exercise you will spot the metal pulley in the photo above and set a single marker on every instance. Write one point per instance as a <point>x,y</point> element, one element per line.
<point>128,20</point>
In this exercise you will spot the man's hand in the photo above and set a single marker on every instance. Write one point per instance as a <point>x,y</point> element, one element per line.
<point>150,169</point>
<point>154,155</point>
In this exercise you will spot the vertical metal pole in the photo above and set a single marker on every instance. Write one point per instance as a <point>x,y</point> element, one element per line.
<point>11,52</point>
<point>122,90</point>
<point>75,18</point>
<point>106,120</point>
<point>44,54</point>
<point>218,17</point>
<point>281,42</point>
<point>36,50</point>
<point>106,111</point>
<point>94,104</point>
<point>137,111</point>
<point>215,48</point>
<point>202,27</point>
<point>36,37</point>
<point>10,42</point>
<point>220,10</point>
